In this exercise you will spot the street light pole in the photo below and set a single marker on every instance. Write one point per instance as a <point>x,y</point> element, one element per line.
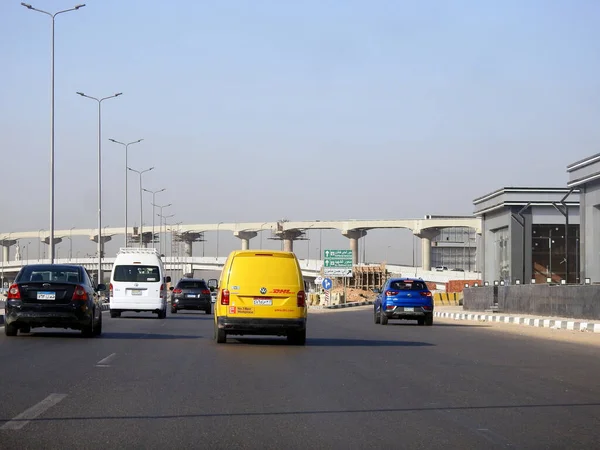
<point>153,211</point>
<point>160,241</point>
<point>52,16</point>
<point>140,173</point>
<point>217,255</point>
<point>165,234</point>
<point>126,191</point>
<point>39,242</point>
<point>99,246</point>
<point>71,243</point>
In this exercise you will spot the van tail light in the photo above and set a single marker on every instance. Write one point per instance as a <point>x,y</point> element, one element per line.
<point>206,291</point>
<point>391,293</point>
<point>162,287</point>
<point>110,290</point>
<point>13,292</point>
<point>225,297</point>
<point>177,291</point>
<point>79,293</point>
<point>301,299</point>
<point>426,294</point>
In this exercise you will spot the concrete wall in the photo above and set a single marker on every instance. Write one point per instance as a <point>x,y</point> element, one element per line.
<point>590,237</point>
<point>579,302</point>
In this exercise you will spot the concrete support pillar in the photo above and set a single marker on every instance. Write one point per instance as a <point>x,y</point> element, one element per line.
<point>354,236</point>
<point>288,237</point>
<point>245,236</point>
<point>5,253</point>
<point>105,239</point>
<point>426,237</point>
<point>188,247</point>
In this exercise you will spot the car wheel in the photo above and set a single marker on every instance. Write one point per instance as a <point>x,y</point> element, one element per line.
<point>297,337</point>
<point>98,329</point>
<point>162,314</point>
<point>114,314</point>
<point>88,330</point>
<point>11,329</point>
<point>429,319</point>
<point>376,316</point>
<point>383,318</point>
<point>173,310</point>
<point>220,335</point>
<point>421,321</point>
<point>208,310</point>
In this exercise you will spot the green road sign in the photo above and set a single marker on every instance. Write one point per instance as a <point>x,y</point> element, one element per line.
<point>337,263</point>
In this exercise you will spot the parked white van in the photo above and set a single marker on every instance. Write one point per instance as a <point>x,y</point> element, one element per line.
<point>138,282</point>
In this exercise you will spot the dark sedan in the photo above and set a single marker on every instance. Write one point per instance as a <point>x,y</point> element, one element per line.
<point>53,296</point>
<point>191,293</point>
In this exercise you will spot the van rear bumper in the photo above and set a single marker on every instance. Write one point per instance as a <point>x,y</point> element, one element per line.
<point>280,327</point>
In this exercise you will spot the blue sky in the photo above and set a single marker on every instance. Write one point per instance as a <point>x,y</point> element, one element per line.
<point>258,110</point>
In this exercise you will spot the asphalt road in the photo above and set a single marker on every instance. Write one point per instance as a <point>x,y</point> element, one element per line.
<point>150,384</point>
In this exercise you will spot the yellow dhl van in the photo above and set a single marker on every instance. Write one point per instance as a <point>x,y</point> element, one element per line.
<point>261,292</point>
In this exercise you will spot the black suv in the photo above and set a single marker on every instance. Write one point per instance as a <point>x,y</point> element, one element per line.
<point>191,293</point>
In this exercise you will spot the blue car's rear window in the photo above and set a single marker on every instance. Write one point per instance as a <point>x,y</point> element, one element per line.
<point>408,285</point>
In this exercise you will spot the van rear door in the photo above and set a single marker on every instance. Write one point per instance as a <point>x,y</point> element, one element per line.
<point>137,283</point>
<point>265,285</point>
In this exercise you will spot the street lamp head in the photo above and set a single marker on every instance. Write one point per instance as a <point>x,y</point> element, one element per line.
<point>80,6</point>
<point>81,93</point>
<point>120,93</point>
<point>139,140</point>
<point>27,5</point>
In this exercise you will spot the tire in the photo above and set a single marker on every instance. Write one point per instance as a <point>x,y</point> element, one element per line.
<point>98,329</point>
<point>26,329</point>
<point>11,330</point>
<point>297,337</point>
<point>421,321</point>
<point>383,318</point>
<point>173,310</point>
<point>429,319</point>
<point>220,335</point>
<point>162,314</point>
<point>88,331</point>
<point>115,314</point>
<point>376,317</point>
<point>208,310</point>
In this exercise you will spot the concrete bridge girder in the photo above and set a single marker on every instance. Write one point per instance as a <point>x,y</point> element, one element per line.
<point>188,238</point>
<point>6,245</point>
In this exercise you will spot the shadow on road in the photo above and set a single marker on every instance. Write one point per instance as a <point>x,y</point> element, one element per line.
<point>106,335</point>
<point>331,342</point>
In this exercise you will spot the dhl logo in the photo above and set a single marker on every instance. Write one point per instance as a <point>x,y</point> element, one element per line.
<point>281,291</point>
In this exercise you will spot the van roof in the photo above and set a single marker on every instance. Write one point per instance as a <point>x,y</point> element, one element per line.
<point>263,253</point>
<point>137,250</point>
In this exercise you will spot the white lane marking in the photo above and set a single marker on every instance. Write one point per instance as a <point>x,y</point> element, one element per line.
<point>105,362</point>
<point>23,419</point>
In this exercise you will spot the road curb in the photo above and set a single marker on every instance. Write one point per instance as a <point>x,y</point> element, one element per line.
<point>348,305</point>
<point>556,324</point>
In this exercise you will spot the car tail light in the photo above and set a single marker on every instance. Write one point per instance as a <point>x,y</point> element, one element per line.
<point>225,297</point>
<point>206,291</point>
<point>13,292</point>
<point>301,299</point>
<point>390,307</point>
<point>391,293</point>
<point>110,289</point>
<point>426,294</point>
<point>177,291</point>
<point>79,293</point>
<point>427,307</point>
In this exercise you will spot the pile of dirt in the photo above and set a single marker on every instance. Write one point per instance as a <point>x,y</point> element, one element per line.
<point>356,295</point>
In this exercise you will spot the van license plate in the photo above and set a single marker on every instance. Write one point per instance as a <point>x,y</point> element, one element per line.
<point>409,309</point>
<point>136,292</point>
<point>46,295</point>
<point>263,301</point>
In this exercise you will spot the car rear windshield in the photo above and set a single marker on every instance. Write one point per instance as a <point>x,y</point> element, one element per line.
<point>49,274</point>
<point>408,285</point>
<point>265,269</point>
<point>192,285</point>
<point>137,273</point>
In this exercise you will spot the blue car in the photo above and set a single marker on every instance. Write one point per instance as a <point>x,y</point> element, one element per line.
<point>404,298</point>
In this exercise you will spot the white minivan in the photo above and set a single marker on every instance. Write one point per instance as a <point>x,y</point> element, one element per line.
<point>138,282</point>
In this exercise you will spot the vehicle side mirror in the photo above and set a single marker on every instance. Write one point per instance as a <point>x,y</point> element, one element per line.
<point>213,284</point>
<point>171,288</point>
<point>167,279</point>
<point>101,287</point>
